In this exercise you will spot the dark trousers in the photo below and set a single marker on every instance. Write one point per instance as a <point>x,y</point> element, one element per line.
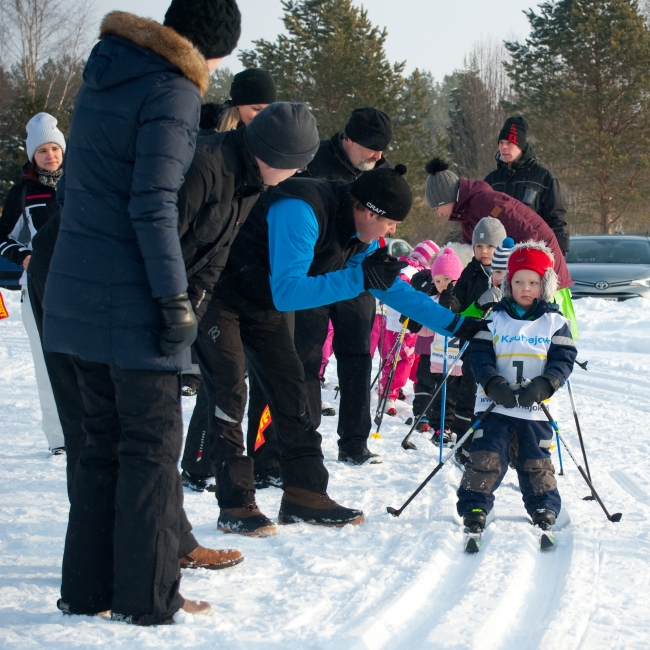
<point>65,389</point>
<point>196,454</point>
<point>267,456</point>
<point>488,463</point>
<point>121,547</point>
<point>225,335</point>
<point>352,321</point>
<point>465,400</point>
<point>426,384</point>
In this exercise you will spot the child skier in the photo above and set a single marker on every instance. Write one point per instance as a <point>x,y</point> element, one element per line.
<point>524,355</point>
<point>446,270</point>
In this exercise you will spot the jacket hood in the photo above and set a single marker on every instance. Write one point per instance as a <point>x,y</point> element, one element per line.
<point>528,159</point>
<point>131,47</point>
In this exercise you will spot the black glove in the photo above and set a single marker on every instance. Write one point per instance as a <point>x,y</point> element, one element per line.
<point>538,390</point>
<point>179,324</point>
<point>498,390</point>
<point>448,299</point>
<point>380,270</point>
<point>422,281</point>
<point>414,327</point>
<point>488,299</point>
<point>468,328</point>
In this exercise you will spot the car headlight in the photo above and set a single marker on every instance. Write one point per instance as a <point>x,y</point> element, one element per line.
<point>644,282</point>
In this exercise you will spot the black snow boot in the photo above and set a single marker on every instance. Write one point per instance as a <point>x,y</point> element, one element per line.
<point>301,505</point>
<point>474,520</point>
<point>247,520</point>
<point>194,481</point>
<point>359,457</point>
<point>268,477</point>
<point>544,518</point>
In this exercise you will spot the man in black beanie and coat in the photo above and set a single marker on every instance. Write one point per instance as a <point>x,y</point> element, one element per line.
<point>345,156</point>
<point>116,298</point>
<point>520,175</point>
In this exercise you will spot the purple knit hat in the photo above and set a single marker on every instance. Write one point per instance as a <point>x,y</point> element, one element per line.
<point>425,251</point>
<point>447,263</point>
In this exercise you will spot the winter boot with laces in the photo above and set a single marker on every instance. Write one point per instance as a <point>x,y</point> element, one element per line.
<point>247,520</point>
<point>301,505</point>
<point>474,520</point>
<point>208,558</point>
<point>544,518</point>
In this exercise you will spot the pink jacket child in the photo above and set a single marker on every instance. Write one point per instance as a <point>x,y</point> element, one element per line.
<point>419,259</point>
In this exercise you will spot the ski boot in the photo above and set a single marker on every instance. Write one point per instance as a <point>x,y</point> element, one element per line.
<point>446,439</point>
<point>401,396</point>
<point>543,518</point>
<point>326,409</point>
<point>193,481</point>
<point>474,520</point>
<point>423,426</point>
<point>390,409</point>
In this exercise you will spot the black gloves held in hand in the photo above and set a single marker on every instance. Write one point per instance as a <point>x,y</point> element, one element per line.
<point>538,390</point>
<point>498,390</point>
<point>448,299</point>
<point>380,270</point>
<point>179,324</point>
<point>414,327</point>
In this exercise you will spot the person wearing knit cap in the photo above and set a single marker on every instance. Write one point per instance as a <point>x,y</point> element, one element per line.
<point>116,299</point>
<point>425,251</point>
<point>307,244</point>
<point>251,91</point>
<point>517,369</point>
<point>500,260</point>
<point>28,207</point>
<point>475,200</point>
<point>520,175</point>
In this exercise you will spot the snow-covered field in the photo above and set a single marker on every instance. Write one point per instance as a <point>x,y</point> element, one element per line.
<point>389,583</point>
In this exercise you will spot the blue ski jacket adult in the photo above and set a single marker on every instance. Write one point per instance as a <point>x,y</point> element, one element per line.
<point>299,250</point>
<point>132,139</point>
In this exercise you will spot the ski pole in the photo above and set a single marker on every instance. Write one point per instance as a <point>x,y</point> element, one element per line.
<point>379,416</point>
<point>559,453</point>
<point>383,364</point>
<point>582,444</point>
<point>617,515</point>
<point>406,443</point>
<point>470,431</point>
<point>443,397</point>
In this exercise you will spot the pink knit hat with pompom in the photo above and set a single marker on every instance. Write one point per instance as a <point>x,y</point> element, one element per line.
<point>425,251</point>
<point>447,263</point>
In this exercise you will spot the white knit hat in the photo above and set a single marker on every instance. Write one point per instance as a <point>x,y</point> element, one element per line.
<point>41,129</point>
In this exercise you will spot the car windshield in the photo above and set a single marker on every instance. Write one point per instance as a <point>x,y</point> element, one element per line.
<point>399,249</point>
<point>606,250</point>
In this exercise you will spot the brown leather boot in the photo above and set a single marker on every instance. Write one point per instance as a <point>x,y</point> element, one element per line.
<point>208,558</point>
<point>248,520</point>
<point>197,607</point>
<point>301,505</point>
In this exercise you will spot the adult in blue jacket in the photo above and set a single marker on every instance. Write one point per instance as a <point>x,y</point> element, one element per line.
<point>116,299</point>
<point>306,243</point>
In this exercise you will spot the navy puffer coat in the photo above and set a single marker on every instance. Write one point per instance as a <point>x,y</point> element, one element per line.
<point>131,141</point>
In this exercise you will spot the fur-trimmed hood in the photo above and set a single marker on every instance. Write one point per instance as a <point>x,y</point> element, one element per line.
<point>161,40</point>
<point>549,279</point>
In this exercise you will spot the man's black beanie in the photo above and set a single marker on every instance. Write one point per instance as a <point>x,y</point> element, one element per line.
<point>253,86</point>
<point>370,127</point>
<point>514,130</point>
<point>212,26</point>
<point>384,191</point>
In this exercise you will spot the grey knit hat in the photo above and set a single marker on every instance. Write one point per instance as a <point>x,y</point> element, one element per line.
<point>489,231</point>
<point>442,184</point>
<point>284,135</point>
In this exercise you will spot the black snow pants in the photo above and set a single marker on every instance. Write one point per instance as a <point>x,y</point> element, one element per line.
<point>225,335</point>
<point>465,400</point>
<point>122,544</point>
<point>352,321</point>
<point>427,383</point>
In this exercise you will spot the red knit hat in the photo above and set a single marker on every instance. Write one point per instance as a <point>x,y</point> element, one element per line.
<point>532,259</point>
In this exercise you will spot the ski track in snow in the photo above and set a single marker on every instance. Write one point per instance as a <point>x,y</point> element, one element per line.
<point>390,583</point>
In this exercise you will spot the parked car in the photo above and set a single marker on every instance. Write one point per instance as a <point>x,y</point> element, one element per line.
<point>398,247</point>
<point>9,274</point>
<point>614,267</point>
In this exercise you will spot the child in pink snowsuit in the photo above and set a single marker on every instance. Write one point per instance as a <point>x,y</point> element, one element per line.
<point>419,260</point>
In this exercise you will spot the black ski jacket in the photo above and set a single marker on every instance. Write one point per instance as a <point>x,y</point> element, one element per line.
<point>330,162</point>
<point>27,209</point>
<point>473,281</point>
<point>221,186</point>
<point>535,186</point>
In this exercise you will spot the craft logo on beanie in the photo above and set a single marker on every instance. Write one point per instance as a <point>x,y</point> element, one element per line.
<point>384,191</point>
<point>447,263</point>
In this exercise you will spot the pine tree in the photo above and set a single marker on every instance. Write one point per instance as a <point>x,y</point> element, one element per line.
<point>583,82</point>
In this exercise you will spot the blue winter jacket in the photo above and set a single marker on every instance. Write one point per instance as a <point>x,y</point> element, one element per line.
<point>132,139</point>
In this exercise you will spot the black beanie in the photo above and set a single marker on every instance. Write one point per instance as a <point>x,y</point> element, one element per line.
<point>514,130</point>
<point>385,191</point>
<point>213,26</point>
<point>253,86</point>
<point>370,127</point>
<point>283,135</point>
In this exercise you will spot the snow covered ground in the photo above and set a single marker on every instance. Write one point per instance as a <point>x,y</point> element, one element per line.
<point>389,583</point>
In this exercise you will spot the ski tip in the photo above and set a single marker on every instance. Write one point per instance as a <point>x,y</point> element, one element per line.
<point>473,545</point>
<point>616,516</point>
<point>546,542</point>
